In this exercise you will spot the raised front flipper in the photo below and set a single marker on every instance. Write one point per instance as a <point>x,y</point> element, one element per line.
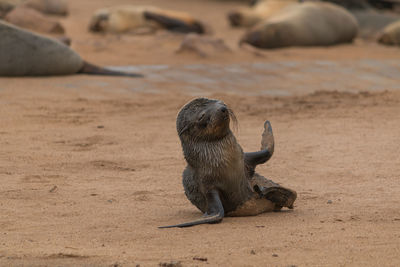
<point>267,139</point>
<point>214,214</point>
<point>255,158</point>
<point>252,159</point>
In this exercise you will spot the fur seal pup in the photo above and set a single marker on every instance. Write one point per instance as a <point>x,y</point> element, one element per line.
<point>250,16</point>
<point>305,24</point>
<point>24,53</point>
<point>120,19</point>
<point>391,34</point>
<point>220,179</point>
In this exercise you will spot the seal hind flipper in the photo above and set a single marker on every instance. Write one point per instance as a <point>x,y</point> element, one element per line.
<point>174,24</point>
<point>281,196</point>
<point>89,68</point>
<point>215,212</point>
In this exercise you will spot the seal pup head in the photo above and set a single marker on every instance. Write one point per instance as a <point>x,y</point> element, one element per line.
<point>99,21</point>
<point>204,119</point>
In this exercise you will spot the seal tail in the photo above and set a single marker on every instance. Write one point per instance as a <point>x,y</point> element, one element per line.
<point>208,219</point>
<point>91,69</point>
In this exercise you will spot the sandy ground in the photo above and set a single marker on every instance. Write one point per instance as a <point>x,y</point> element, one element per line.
<point>90,166</point>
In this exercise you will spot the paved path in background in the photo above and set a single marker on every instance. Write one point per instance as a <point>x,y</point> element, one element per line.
<point>269,78</point>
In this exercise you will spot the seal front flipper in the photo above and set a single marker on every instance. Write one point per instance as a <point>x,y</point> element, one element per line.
<point>256,158</point>
<point>174,24</point>
<point>252,159</point>
<point>89,68</point>
<point>214,214</point>
<point>267,139</point>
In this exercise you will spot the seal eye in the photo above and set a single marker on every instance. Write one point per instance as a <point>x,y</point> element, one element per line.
<point>201,117</point>
<point>203,121</point>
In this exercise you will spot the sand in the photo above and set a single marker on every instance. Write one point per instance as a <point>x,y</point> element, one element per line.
<point>90,166</point>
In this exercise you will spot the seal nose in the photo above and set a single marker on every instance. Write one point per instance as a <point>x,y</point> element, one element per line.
<point>234,19</point>
<point>223,109</point>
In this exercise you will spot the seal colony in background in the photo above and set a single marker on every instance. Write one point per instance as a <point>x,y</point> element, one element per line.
<point>24,53</point>
<point>219,179</point>
<point>284,23</point>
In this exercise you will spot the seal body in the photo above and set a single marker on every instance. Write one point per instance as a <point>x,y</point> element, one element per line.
<point>391,34</point>
<point>261,10</point>
<point>142,19</point>
<point>220,179</point>
<point>216,165</point>
<point>305,24</point>
<point>24,53</point>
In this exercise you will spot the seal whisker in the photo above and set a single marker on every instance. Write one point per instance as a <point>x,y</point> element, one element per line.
<point>234,120</point>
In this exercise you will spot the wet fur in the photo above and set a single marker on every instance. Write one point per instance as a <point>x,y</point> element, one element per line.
<point>218,179</point>
<point>213,155</point>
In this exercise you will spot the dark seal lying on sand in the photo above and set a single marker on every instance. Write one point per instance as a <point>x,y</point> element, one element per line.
<point>220,180</point>
<point>24,53</point>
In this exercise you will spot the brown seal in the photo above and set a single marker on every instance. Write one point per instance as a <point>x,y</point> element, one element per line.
<point>143,19</point>
<point>261,10</point>
<point>220,180</point>
<point>305,24</point>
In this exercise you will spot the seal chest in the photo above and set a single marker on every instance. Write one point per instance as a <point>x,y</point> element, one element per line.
<point>220,179</point>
